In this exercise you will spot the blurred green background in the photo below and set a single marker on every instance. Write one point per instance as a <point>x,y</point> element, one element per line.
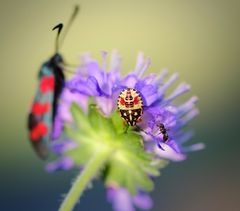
<point>199,39</point>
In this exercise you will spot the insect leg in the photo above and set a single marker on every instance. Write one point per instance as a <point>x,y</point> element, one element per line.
<point>127,126</point>
<point>140,129</point>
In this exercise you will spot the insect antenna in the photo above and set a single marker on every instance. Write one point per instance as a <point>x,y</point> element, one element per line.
<point>59,27</point>
<point>59,40</point>
<point>69,23</point>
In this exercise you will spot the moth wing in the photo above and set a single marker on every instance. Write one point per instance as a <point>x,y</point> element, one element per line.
<point>40,118</point>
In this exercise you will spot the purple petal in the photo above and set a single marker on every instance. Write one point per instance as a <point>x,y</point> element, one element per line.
<point>106,105</point>
<point>166,85</point>
<point>94,70</point>
<point>149,93</point>
<point>64,109</point>
<point>182,137</point>
<point>144,68</point>
<point>189,116</point>
<point>159,115</point>
<point>67,99</point>
<point>110,193</point>
<point>169,153</point>
<point>142,65</point>
<point>104,60</point>
<point>57,127</point>
<point>120,199</point>
<point>194,147</point>
<point>174,146</point>
<point>143,201</point>
<point>160,146</point>
<point>60,147</point>
<point>100,76</point>
<point>187,106</point>
<point>140,62</point>
<point>107,86</point>
<point>88,87</point>
<point>159,78</point>
<point>146,118</point>
<point>130,81</point>
<point>180,90</point>
<point>114,79</point>
<point>64,163</point>
<point>115,62</point>
<point>150,79</point>
<point>146,81</point>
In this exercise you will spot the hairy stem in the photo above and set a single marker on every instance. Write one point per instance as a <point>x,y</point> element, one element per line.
<point>83,180</point>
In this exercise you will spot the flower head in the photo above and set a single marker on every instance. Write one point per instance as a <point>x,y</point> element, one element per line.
<point>96,133</point>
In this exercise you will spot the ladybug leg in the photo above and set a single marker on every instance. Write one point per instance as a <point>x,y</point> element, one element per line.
<point>140,129</point>
<point>127,126</point>
<point>92,105</point>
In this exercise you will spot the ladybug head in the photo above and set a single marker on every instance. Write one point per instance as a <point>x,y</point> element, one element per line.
<point>129,96</point>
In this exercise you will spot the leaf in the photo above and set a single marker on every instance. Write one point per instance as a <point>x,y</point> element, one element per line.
<point>129,166</point>
<point>118,122</point>
<point>99,122</point>
<point>80,118</point>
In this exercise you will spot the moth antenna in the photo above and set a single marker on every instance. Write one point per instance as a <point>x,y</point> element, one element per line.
<point>59,27</point>
<point>69,23</point>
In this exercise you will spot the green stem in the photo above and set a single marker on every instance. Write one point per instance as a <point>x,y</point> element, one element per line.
<point>83,180</point>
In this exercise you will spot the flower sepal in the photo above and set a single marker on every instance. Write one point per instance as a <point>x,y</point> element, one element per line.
<point>128,166</point>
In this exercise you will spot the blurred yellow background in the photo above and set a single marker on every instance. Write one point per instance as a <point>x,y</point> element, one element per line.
<point>198,39</point>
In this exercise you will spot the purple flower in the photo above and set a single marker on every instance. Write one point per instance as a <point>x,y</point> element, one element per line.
<point>105,86</point>
<point>93,80</point>
<point>67,98</point>
<point>162,129</point>
<point>97,82</point>
<point>122,200</point>
<point>64,163</point>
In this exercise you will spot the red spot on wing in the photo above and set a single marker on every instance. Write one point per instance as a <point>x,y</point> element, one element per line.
<point>47,84</point>
<point>136,100</point>
<point>40,108</point>
<point>122,101</point>
<point>39,131</point>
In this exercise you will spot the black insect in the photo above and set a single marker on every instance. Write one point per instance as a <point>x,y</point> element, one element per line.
<point>43,111</point>
<point>163,131</point>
